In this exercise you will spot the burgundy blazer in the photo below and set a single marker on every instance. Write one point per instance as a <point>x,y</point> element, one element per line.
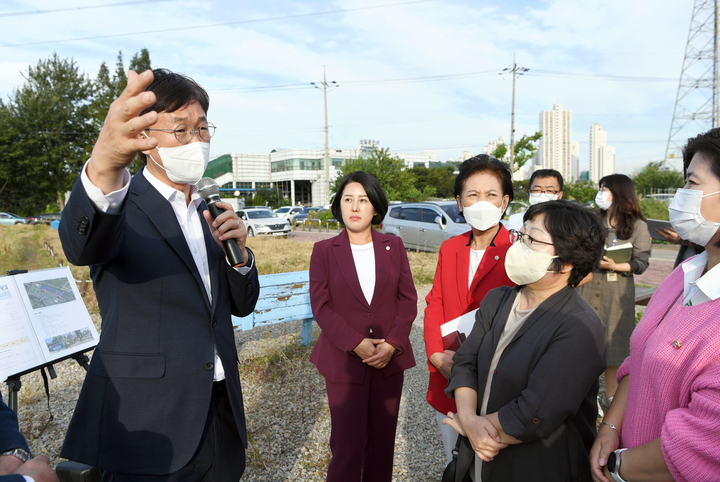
<point>343,314</point>
<point>450,298</point>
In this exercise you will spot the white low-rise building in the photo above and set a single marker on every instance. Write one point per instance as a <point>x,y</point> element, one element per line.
<point>297,174</point>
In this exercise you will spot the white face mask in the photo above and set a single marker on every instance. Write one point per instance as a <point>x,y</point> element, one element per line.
<point>686,219</point>
<point>601,199</point>
<point>482,215</point>
<point>525,266</point>
<point>184,164</point>
<point>541,198</point>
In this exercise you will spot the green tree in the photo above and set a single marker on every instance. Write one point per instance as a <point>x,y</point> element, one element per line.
<point>140,62</point>
<point>524,150</point>
<point>656,177</point>
<point>441,178</point>
<point>49,117</point>
<point>398,182</point>
<point>581,191</point>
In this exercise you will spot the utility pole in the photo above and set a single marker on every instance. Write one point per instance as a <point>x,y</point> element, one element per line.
<point>327,148</point>
<point>516,70</point>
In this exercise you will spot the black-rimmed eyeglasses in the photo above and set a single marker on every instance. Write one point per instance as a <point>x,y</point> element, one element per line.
<point>551,192</point>
<point>184,133</point>
<point>516,236</point>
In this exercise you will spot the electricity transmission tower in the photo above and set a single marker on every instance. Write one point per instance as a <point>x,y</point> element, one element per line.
<point>697,102</point>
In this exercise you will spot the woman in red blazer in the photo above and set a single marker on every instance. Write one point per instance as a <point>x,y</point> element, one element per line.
<point>364,301</point>
<point>468,267</point>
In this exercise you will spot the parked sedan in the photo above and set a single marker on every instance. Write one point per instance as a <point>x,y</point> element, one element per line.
<point>12,219</point>
<point>262,221</point>
<point>288,212</point>
<point>424,226</point>
<point>303,215</point>
<point>46,218</point>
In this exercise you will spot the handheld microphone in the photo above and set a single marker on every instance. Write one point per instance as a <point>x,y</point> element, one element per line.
<point>210,192</point>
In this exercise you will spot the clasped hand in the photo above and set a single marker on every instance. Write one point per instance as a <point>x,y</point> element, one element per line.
<point>484,437</point>
<point>375,352</point>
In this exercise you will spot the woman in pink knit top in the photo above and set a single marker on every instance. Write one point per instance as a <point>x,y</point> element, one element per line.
<point>664,423</point>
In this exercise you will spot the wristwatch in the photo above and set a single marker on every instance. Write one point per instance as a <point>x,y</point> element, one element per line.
<point>21,454</point>
<point>613,465</point>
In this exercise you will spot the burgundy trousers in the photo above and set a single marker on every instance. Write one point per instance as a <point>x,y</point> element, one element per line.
<point>364,419</point>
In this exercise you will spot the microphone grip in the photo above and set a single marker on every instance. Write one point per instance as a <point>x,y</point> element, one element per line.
<point>232,251</point>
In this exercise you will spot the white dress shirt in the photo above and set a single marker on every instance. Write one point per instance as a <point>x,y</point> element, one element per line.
<point>698,287</point>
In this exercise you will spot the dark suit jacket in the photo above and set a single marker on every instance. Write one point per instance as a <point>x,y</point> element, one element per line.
<point>143,405</point>
<point>544,388</point>
<point>343,314</point>
<point>10,437</point>
<point>450,298</point>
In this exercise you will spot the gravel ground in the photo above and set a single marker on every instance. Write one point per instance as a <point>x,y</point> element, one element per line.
<point>287,414</point>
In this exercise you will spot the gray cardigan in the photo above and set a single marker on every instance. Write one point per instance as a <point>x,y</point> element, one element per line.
<point>544,388</point>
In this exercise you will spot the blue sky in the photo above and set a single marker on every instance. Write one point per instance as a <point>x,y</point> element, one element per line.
<point>232,47</point>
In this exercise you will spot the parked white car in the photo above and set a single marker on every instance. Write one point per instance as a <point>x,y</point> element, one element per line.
<point>262,221</point>
<point>288,212</point>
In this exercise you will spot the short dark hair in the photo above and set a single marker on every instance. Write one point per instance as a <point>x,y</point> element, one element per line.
<point>540,173</point>
<point>577,232</point>
<point>174,91</point>
<point>374,192</point>
<point>707,143</point>
<point>484,163</point>
<point>625,208</point>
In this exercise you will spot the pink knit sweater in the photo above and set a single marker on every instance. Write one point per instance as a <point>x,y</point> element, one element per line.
<point>674,392</point>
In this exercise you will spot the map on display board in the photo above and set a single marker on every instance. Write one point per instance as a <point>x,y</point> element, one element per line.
<point>42,319</point>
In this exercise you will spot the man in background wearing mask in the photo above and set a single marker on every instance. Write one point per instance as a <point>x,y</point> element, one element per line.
<point>162,398</point>
<point>545,185</point>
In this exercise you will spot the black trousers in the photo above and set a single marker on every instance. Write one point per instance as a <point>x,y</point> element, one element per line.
<point>219,457</point>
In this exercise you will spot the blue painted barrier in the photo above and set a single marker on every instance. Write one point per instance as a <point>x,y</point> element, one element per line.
<point>283,297</point>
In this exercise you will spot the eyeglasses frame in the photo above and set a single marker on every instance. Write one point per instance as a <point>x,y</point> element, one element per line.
<point>192,131</point>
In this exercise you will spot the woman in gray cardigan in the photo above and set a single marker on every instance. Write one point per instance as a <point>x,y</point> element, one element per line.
<point>611,293</point>
<point>526,379</point>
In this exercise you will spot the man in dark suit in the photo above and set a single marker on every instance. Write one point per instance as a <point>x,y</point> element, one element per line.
<point>16,462</point>
<point>162,398</point>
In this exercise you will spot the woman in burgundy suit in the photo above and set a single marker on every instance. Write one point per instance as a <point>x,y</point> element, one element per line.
<point>365,302</point>
<point>468,267</point>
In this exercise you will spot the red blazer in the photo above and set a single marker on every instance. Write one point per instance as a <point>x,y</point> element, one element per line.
<point>343,314</point>
<point>450,298</point>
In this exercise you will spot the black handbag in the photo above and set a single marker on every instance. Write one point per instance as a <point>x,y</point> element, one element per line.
<point>451,469</point>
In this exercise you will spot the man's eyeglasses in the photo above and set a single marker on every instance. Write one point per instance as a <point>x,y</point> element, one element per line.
<point>184,133</point>
<point>516,236</point>
<point>537,190</point>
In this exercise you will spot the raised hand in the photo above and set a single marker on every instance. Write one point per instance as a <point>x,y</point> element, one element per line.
<point>120,140</point>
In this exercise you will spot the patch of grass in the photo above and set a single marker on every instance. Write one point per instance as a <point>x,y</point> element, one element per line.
<point>277,363</point>
<point>278,255</point>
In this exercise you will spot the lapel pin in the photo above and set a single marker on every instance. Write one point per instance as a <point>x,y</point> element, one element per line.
<point>387,248</point>
<point>497,258</point>
<point>677,344</point>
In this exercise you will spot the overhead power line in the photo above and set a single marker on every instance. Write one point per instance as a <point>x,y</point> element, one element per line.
<point>72,9</point>
<point>439,78</point>
<point>223,24</point>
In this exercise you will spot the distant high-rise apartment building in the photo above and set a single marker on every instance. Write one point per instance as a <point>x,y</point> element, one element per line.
<point>574,162</point>
<point>555,146</point>
<point>602,156</point>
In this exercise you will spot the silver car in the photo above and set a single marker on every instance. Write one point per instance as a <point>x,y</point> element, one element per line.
<point>261,221</point>
<point>425,225</point>
<point>11,219</point>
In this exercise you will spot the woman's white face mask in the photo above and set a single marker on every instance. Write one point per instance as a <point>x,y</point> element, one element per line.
<point>482,215</point>
<point>685,217</point>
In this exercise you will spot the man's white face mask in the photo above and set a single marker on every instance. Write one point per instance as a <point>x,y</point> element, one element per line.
<point>184,164</point>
